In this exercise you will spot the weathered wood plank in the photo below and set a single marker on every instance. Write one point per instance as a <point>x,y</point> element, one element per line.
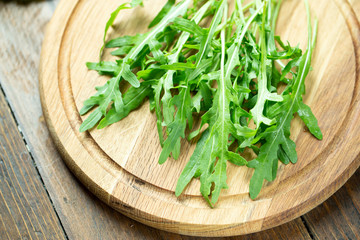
<point>292,230</point>
<point>25,207</point>
<point>339,216</point>
<point>83,216</point>
<point>133,143</point>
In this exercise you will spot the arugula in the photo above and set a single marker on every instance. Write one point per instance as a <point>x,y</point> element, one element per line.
<point>215,147</point>
<point>176,127</point>
<point>227,71</point>
<point>110,92</point>
<point>278,143</point>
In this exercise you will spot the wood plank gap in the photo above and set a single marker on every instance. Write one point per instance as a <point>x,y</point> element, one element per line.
<point>33,160</point>
<point>307,227</point>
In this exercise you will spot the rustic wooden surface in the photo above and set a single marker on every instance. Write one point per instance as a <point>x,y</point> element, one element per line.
<point>26,211</point>
<point>119,163</point>
<point>80,214</point>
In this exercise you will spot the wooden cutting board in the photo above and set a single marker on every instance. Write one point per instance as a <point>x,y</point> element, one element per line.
<point>119,164</point>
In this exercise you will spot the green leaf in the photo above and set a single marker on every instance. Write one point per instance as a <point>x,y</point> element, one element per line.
<point>130,76</point>
<point>132,100</point>
<point>162,13</point>
<point>135,3</point>
<point>188,26</point>
<point>110,23</point>
<point>178,66</point>
<point>177,127</point>
<point>155,48</point>
<point>236,158</point>
<point>265,164</point>
<point>206,41</point>
<point>309,119</point>
<point>192,167</point>
<point>263,93</point>
<point>230,73</point>
<point>124,41</point>
<point>104,68</point>
<point>91,121</point>
<point>163,105</point>
<point>110,92</point>
<point>177,131</point>
<point>121,51</point>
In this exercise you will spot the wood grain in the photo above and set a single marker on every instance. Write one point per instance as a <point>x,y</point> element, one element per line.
<point>25,208</point>
<point>124,173</point>
<point>338,217</point>
<point>82,215</point>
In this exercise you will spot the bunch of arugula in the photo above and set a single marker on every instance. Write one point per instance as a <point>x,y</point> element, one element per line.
<point>230,73</point>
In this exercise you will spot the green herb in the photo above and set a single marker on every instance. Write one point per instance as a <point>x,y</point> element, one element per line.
<point>228,73</point>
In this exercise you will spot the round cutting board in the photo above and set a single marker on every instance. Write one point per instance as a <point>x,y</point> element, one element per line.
<point>119,163</point>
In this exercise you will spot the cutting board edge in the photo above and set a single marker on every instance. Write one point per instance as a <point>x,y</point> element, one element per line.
<point>106,195</point>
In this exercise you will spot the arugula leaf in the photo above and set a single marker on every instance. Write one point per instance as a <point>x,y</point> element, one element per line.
<point>205,42</point>
<point>229,73</point>
<point>123,41</point>
<point>215,147</point>
<point>162,13</point>
<point>110,92</point>
<point>110,23</point>
<point>184,103</point>
<point>166,110</point>
<point>135,3</point>
<point>104,68</point>
<point>266,163</point>
<point>309,119</point>
<point>263,92</point>
<point>132,100</point>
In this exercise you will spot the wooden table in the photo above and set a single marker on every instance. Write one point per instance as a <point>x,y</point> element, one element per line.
<point>41,199</point>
